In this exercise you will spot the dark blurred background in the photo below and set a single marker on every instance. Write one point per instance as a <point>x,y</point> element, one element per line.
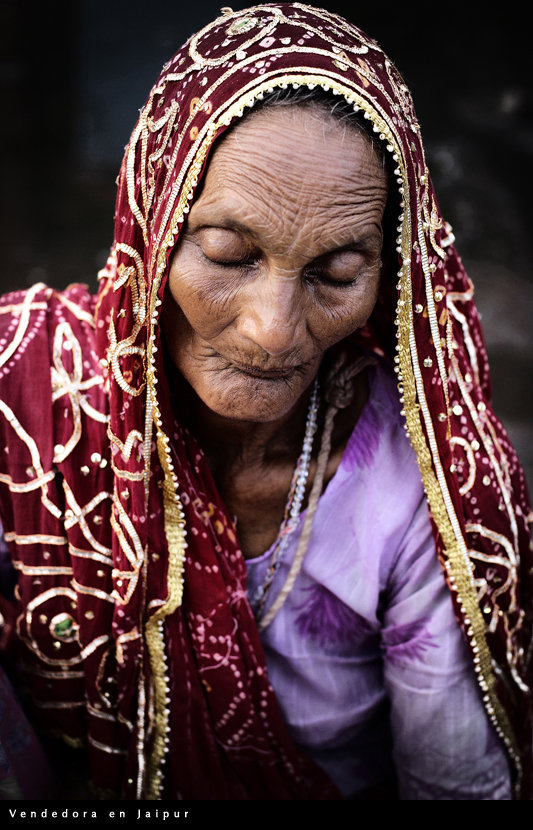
<point>74,74</point>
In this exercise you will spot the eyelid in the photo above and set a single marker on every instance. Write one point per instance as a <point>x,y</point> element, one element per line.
<point>247,258</point>
<point>234,253</point>
<point>245,262</point>
<point>233,235</point>
<point>325,280</point>
<point>321,269</point>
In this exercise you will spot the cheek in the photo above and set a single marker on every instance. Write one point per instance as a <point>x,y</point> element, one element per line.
<point>339,313</point>
<point>208,305</point>
<point>201,301</point>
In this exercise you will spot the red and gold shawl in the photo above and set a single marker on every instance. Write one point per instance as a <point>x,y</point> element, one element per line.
<point>135,629</point>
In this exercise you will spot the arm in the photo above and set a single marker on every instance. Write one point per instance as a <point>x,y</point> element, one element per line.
<point>445,747</point>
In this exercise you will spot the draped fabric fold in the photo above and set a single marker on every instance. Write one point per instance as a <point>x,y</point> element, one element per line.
<point>136,629</point>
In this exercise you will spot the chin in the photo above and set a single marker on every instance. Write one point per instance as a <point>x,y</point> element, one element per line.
<point>254,400</point>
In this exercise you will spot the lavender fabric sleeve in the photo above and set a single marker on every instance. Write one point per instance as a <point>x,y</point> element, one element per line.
<point>444,746</point>
<point>366,657</point>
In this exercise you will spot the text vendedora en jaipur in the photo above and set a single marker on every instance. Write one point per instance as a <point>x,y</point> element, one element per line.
<point>68,813</point>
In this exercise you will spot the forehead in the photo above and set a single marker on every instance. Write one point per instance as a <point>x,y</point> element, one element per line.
<point>293,165</point>
<point>295,141</point>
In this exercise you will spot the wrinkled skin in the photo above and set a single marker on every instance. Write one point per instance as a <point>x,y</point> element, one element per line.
<point>280,260</point>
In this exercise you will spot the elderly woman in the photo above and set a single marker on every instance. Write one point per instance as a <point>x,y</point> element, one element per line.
<point>271,540</point>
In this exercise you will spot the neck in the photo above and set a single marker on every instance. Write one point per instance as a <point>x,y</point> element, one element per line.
<point>227,442</point>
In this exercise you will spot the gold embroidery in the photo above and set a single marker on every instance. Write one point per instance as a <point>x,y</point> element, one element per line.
<point>128,637</point>
<point>72,384</point>
<point>77,515</point>
<point>41,570</point>
<point>25,311</point>
<point>53,675</point>
<point>18,308</point>
<point>124,347</point>
<point>471,461</point>
<point>26,487</point>
<point>34,539</point>
<point>105,558</point>
<point>111,750</point>
<point>454,297</point>
<point>58,704</point>
<point>458,564</point>
<point>92,592</point>
<point>79,313</point>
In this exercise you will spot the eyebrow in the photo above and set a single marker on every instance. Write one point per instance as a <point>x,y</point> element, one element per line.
<point>240,227</point>
<point>227,224</point>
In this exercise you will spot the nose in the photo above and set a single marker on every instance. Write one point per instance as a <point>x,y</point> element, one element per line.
<point>272,313</point>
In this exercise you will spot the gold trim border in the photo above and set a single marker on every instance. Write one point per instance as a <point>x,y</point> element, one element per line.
<point>455,550</point>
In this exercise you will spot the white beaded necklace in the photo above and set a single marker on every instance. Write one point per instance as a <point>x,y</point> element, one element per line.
<point>339,394</point>
<point>294,502</point>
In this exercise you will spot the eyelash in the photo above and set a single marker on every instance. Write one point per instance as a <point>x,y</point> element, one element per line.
<point>238,263</point>
<point>333,283</point>
<point>241,265</point>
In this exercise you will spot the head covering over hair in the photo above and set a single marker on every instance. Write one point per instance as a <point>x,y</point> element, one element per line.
<point>135,618</point>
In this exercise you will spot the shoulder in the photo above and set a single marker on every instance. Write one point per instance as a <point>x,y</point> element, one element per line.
<point>32,321</point>
<point>48,357</point>
<point>75,300</point>
<point>374,508</point>
<point>379,452</point>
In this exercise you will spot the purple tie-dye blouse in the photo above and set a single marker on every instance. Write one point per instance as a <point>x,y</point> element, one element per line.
<point>366,656</point>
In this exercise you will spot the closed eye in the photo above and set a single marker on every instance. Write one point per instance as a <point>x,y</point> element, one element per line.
<point>339,268</point>
<point>243,262</point>
<point>226,248</point>
<point>314,277</point>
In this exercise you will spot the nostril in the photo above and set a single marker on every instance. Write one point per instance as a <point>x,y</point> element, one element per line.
<point>272,313</point>
<point>272,334</point>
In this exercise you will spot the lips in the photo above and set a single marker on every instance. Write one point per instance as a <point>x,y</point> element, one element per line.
<point>258,370</point>
<point>266,374</point>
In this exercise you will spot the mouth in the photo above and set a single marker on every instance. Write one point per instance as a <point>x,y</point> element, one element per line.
<point>277,373</point>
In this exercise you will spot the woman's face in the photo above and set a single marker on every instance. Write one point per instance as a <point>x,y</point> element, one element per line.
<point>280,260</point>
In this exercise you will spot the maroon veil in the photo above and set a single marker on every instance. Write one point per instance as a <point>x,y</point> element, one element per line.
<point>135,628</point>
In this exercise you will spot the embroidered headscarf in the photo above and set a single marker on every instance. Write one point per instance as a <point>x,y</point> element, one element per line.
<point>135,620</point>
